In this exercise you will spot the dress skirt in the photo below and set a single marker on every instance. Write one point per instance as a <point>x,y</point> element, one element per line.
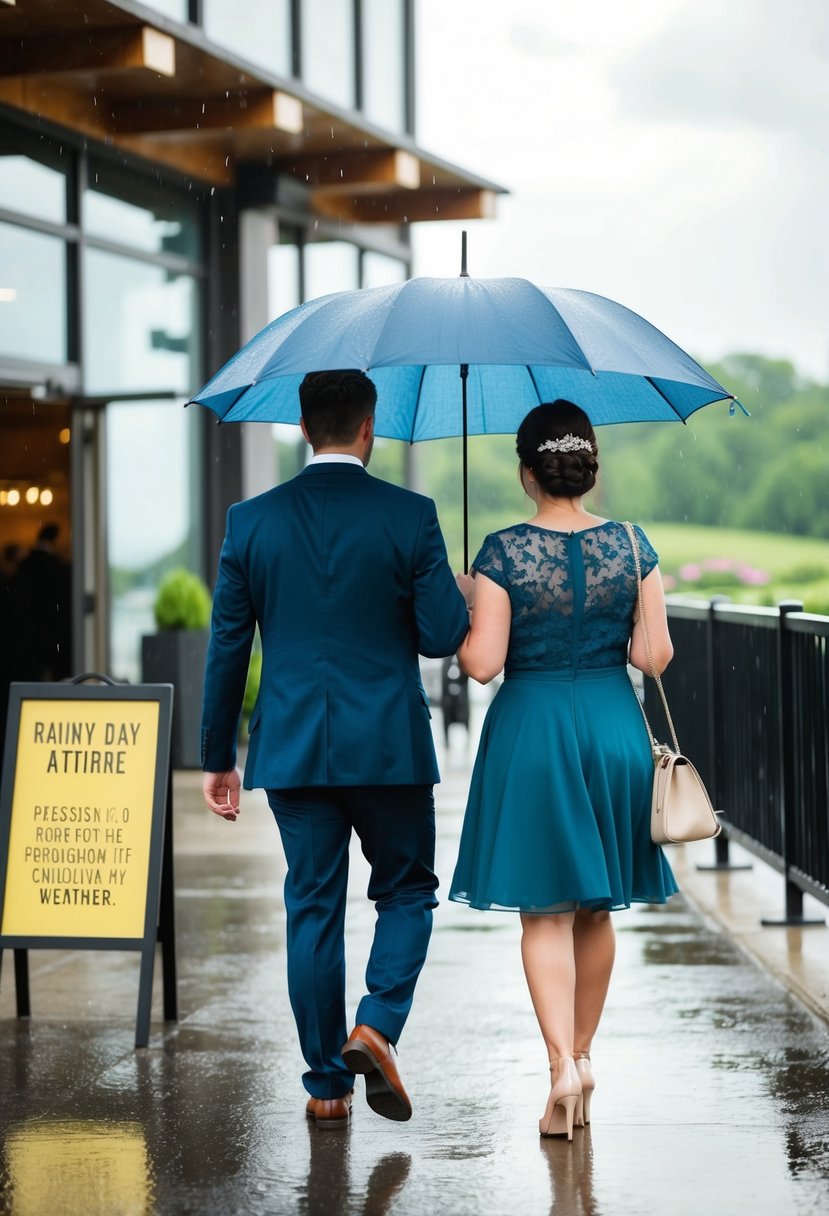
<point>558,815</point>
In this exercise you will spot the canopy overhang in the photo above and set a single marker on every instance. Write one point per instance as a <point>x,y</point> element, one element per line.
<point>162,91</point>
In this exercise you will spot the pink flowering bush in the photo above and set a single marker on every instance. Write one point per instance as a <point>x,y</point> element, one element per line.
<point>719,573</point>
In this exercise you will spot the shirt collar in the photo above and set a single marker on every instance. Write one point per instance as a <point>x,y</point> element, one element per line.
<point>335,458</point>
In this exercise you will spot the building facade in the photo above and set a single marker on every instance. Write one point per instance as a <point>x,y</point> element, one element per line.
<point>172,176</point>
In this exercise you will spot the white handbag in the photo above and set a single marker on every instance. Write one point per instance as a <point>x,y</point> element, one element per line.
<point>681,810</point>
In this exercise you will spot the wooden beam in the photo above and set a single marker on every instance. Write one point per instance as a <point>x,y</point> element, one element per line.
<point>355,170</point>
<point>263,109</point>
<point>397,208</point>
<point>123,49</point>
<point>204,161</point>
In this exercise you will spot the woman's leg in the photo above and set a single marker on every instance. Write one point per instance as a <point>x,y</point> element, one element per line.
<point>550,967</point>
<point>594,949</point>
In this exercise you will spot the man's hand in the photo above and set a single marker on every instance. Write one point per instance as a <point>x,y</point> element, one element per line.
<point>221,793</point>
<point>466,586</point>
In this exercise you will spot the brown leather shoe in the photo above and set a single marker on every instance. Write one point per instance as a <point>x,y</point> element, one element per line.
<point>329,1112</point>
<point>366,1051</point>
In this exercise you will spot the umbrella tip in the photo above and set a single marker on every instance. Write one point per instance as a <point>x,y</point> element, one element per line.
<point>464,271</point>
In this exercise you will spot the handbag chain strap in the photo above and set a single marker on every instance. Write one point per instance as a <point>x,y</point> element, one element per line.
<point>634,544</point>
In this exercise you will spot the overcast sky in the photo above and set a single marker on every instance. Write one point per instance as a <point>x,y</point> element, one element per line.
<point>670,154</point>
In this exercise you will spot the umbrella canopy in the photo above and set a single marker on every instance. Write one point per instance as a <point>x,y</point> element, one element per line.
<point>522,345</point>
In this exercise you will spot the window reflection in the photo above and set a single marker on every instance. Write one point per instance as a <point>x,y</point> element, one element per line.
<point>330,266</point>
<point>384,63</point>
<point>32,295</point>
<point>138,214</point>
<point>153,522</point>
<point>379,270</point>
<point>261,33</point>
<point>32,188</point>
<point>141,326</point>
<point>177,9</point>
<point>283,279</point>
<point>328,49</point>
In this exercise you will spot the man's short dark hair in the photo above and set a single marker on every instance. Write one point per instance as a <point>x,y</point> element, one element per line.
<point>334,404</point>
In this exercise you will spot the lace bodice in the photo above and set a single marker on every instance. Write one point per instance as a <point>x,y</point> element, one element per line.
<point>572,593</point>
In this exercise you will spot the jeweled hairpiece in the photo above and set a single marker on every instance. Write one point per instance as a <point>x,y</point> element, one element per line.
<point>567,443</point>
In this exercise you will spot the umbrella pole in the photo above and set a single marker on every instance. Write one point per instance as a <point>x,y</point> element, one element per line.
<point>464,377</point>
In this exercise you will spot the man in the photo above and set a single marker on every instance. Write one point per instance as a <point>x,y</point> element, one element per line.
<point>348,581</point>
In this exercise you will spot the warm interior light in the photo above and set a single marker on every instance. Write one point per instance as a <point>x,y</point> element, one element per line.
<point>65,435</point>
<point>4,497</point>
<point>13,498</point>
<point>32,494</point>
<point>46,497</point>
<point>8,295</point>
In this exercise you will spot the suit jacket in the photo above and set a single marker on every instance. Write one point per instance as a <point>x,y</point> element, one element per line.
<point>347,578</point>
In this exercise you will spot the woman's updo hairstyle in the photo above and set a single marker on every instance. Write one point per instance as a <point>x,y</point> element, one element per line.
<point>566,473</point>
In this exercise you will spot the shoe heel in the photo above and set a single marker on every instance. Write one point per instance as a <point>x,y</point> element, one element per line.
<point>588,1084</point>
<point>358,1058</point>
<point>564,1102</point>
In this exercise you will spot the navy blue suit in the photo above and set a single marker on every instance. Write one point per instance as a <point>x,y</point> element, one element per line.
<point>348,580</point>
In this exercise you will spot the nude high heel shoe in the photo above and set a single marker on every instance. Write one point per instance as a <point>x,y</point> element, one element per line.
<point>588,1084</point>
<point>564,1098</point>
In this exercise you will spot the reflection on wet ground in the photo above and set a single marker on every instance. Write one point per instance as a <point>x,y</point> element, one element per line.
<point>712,1083</point>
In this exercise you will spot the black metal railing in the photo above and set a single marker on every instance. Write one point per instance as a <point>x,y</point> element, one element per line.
<point>749,693</point>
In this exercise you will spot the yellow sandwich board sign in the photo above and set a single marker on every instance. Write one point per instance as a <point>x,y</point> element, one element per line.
<point>82,818</point>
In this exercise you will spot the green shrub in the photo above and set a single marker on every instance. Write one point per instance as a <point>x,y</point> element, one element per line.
<point>183,601</point>
<point>805,572</point>
<point>819,604</point>
<point>252,684</point>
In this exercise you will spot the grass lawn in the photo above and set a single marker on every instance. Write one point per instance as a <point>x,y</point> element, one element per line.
<point>798,566</point>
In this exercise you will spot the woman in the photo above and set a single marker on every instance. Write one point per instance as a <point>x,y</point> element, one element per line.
<point>557,822</point>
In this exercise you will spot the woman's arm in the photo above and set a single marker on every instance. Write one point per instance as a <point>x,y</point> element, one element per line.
<point>484,649</point>
<point>656,615</point>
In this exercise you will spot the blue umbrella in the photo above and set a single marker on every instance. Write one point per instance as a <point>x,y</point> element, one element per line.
<point>513,345</point>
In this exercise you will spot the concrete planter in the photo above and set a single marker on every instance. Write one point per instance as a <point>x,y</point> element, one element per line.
<point>177,657</point>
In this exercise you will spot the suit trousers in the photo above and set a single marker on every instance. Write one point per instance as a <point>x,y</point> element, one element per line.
<point>396,828</point>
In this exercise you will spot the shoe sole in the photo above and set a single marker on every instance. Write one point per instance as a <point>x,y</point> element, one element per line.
<point>324,1125</point>
<point>383,1099</point>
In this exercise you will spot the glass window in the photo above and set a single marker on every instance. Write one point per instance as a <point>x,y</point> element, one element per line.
<point>177,9</point>
<point>384,63</point>
<point>136,213</point>
<point>153,461</point>
<point>32,295</point>
<point>330,266</point>
<point>379,270</point>
<point>32,188</point>
<point>261,32</point>
<point>283,279</point>
<point>141,326</point>
<point>328,49</point>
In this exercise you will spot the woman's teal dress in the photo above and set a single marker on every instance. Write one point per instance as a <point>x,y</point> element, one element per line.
<point>558,815</point>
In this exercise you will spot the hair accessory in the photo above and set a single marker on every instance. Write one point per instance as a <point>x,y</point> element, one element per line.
<point>568,443</point>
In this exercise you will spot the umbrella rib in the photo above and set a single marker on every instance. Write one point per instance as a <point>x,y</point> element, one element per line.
<point>649,380</point>
<point>417,403</point>
<point>534,382</point>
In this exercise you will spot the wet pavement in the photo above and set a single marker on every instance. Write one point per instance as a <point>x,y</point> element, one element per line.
<point>712,1080</point>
